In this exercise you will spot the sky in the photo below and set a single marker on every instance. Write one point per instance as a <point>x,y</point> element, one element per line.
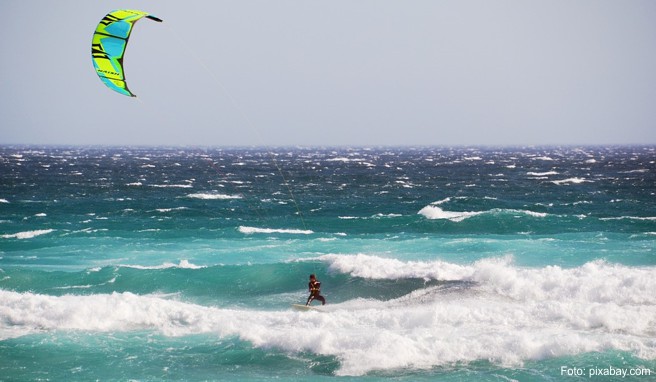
<point>335,73</point>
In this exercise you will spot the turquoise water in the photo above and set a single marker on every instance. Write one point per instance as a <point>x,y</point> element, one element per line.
<point>437,263</point>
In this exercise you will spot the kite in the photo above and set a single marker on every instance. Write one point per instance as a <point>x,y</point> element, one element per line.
<point>108,46</point>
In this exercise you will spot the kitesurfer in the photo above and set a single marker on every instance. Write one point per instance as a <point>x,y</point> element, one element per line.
<point>315,291</point>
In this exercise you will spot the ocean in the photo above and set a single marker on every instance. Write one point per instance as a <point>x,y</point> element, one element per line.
<point>449,264</point>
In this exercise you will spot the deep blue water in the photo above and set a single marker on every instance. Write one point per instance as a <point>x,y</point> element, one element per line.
<point>437,263</point>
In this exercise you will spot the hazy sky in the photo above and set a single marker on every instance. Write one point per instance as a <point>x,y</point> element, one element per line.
<point>339,72</point>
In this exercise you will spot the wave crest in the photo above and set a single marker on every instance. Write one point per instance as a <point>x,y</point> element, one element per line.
<point>27,234</point>
<point>433,212</point>
<point>253,230</point>
<point>213,196</point>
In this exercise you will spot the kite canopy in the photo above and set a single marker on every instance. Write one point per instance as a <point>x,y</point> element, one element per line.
<point>108,46</point>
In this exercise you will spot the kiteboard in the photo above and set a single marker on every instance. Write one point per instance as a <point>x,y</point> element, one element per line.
<point>305,308</point>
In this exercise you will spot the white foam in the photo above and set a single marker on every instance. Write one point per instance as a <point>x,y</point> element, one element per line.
<point>529,213</point>
<point>171,185</point>
<point>376,216</point>
<point>4,201</point>
<point>571,180</point>
<point>27,234</point>
<point>505,314</point>
<point>434,212</point>
<point>381,215</point>
<point>594,282</point>
<point>182,264</point>
<point>345,159</point>
<point>374,267</point>
<point>445,200</point>
<point>531,173</point>
<point>213,196</point>
<point>164,210</point>
<point>646,218</point>
<point>253,230</point>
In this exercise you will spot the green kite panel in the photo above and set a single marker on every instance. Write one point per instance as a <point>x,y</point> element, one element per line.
<point>108,47</point>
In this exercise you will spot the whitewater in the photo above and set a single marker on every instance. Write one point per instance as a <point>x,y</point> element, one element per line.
<point>437,263</point>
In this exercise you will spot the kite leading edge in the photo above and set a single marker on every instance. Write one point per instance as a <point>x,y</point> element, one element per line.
<point>108,46</point>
